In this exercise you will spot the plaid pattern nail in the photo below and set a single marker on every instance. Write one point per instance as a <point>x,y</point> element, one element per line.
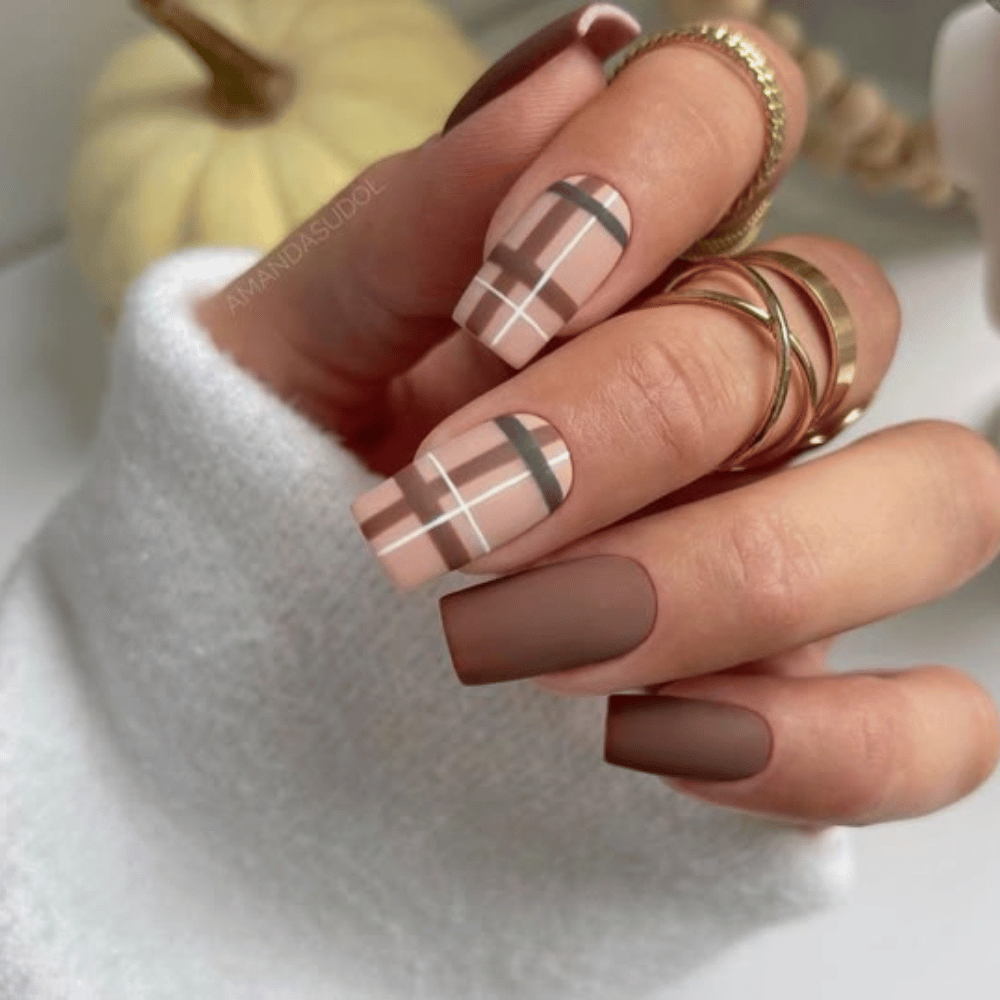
<point>546,267</point>
<point>466,497</point>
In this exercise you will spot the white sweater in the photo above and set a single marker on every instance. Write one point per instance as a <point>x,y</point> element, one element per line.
<point>235,763</point>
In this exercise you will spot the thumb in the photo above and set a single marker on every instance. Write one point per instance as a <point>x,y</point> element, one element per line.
<point>359,292</point>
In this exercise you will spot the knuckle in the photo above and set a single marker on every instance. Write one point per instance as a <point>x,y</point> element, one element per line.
<point>966,470</point>
<point>773,569</point>
<point>669,394</point>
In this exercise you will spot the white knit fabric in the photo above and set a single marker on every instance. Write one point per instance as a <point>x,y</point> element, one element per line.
<point>237,764</point>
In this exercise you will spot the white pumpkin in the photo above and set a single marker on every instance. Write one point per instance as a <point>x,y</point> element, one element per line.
<point>285,102</point>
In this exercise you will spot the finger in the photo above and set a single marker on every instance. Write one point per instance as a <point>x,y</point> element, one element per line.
<point>622,415</point>
<point>803,661</point>
<point>365,287</point>
<point>850,750</point>
<point>638,176</point>
<point>462,368</point>
<point>889,523</point>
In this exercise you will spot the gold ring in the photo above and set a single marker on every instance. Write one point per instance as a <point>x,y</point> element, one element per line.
<point>773,318</point>
<point>838,325</point>
<point>742,223</point>
<point>817,422</point>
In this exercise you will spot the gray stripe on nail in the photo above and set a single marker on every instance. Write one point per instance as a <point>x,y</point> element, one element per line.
<point>607,219</point>
<point>534,458</point>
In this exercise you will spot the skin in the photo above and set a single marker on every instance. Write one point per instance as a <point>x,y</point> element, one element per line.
<point>754,583</point>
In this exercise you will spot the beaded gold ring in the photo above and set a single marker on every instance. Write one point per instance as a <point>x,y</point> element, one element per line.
<point>743,221</point>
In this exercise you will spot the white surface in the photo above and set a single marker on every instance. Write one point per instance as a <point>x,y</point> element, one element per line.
<point>49,52</point>
<point>50,377</point>
<point>923,919</point>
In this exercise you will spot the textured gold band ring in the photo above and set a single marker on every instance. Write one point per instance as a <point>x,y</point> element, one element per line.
<point>742,223</point>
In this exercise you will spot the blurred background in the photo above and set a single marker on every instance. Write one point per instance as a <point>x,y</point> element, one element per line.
<point>923,919</point>
<point>45,72</point>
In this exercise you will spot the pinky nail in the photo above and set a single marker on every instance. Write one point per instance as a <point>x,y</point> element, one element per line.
<point>686,738</point>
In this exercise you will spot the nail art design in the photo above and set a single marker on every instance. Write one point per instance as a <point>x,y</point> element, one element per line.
<point>547,266</point>
<point>466,497</point>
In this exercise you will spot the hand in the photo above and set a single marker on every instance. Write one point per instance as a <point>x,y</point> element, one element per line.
<point>717,595</point>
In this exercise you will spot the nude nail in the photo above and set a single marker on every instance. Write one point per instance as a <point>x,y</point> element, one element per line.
<point>466,497</point>
<point>552,618</point>
<point>546,267</point>
<point>602,27</point>
<point>686,738</point>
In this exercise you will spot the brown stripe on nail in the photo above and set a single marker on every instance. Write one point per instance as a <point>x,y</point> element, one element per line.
<point>486,462</point>
<point>532,247</point>
<point>558,215</point>
<point>460,476</point>
<point>489,305</point>
<point>421,500</point>
<point>529,273</point>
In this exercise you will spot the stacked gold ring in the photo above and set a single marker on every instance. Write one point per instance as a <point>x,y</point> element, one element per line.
<point>838,324</point>
<point>743,221</point>
<point>817,421</point>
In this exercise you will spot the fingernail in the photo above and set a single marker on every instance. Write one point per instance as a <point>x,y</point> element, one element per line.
<point>552,618</point>
<point>602,27</point>
<point>466,497</point>
<point>550,262</point>
<point>686,738</point>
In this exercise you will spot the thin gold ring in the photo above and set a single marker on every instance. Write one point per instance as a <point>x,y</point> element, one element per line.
<point>742,223</point>
<point>838,324</point>
<point>817,422</point>
<point>773,318</point>
<point>761,315</point>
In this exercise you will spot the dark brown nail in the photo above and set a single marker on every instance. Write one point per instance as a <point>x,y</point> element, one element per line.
<point>602,27</point>
<point>553,618</point>
<point>685,738</point>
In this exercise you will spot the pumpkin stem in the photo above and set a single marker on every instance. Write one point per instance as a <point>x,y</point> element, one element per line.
<point>244,87</point>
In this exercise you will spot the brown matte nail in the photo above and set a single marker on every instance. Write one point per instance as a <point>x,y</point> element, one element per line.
<point>602,27</point>
<point>686,738</point>
<point>556,617</point>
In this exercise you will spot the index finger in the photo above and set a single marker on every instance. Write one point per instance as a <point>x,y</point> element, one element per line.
<point>635,178</point>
